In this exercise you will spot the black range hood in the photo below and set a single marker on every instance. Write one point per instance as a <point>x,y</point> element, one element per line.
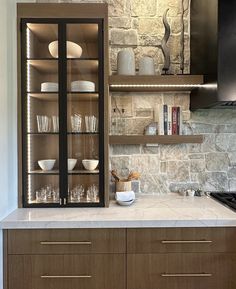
<point>213,52</point>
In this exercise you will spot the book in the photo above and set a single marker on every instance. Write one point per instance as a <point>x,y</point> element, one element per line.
<point>165,114</point>
<point>179,120</point>
<point>174,120</point>
<point>169,131</point>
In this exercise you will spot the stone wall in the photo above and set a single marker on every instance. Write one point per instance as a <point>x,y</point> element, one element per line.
<point>210,166</point>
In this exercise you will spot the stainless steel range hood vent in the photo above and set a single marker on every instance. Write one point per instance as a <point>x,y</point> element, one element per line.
<point>213,52</point>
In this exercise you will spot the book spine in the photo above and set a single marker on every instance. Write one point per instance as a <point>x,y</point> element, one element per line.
<point>160,120</point>
<point>178,120</point>
<point>174,120</point>
<point>169,120</point>
<point>165,113</point>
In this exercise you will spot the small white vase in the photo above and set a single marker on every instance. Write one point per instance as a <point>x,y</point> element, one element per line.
<point>126,62</point>
<point>146,66</point>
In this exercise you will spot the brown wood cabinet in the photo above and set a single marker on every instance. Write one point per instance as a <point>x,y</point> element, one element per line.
<point>145,258</point>
<point>181,271</point>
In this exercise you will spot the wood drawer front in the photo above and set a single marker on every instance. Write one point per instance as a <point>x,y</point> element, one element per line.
<point>68,241</point>
<point>167,240</point>
<point>100,271</point>
<point>181,271</point>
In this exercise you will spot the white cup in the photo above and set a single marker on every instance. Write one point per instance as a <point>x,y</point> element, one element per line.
<point>146,66</point>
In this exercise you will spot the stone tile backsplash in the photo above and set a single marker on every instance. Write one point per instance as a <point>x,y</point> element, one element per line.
<point>209,166</point>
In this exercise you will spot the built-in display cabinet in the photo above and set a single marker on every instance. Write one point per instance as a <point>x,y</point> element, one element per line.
<point>63,101</point>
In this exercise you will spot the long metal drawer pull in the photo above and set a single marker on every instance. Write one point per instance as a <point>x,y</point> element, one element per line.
<point>65,276</point>
<point>187,242</point>
<point>66,243</point>
<point>187,275</point>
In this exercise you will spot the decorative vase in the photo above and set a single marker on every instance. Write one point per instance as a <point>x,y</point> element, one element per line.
<point>146,66</point>
<point>126,62</point>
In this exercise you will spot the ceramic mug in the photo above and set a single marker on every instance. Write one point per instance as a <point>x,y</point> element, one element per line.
<point>126,62</point>
<point>146,66</point>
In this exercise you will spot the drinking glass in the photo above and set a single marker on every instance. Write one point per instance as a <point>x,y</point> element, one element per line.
<point>76,123</point>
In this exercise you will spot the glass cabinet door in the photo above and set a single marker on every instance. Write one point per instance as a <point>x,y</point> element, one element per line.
<point>39,94</point>
<point>84,114</point>
<point>62,96</point>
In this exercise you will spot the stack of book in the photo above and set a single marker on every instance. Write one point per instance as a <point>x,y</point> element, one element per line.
<point>169,119</point>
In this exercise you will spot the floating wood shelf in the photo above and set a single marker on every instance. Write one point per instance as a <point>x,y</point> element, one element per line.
<point>72,96</point>
<point>154,139</point>
<point>155,83</point>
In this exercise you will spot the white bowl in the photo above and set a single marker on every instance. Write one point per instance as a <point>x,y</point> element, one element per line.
<point>46,165</point>
<point>82,85</point>
<point>73,49</point>
<point>90,165</point>
<point>49,86</point>
<point>125,203</point>
<point>71,164</point>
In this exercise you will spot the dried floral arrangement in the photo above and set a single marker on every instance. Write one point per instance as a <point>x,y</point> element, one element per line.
<point>131,176</point>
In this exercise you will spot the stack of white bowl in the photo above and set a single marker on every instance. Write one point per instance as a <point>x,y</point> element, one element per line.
<point>49,86</point>
<point>83,86</point>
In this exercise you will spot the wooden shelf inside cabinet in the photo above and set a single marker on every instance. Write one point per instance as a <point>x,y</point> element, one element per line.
<point>72,96</point>
<point>47,32</point>
<point>83,172</point>
<point>154,82</point>
<point>41,172</point>
<point>74,66</point>
<point>156,139</point>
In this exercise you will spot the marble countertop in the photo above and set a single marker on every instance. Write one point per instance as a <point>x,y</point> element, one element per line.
<point>169,210</point>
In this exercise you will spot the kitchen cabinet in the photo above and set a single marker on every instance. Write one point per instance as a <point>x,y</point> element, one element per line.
<point>62,105</point>
<point>186,258</point>
<point>133,258</point>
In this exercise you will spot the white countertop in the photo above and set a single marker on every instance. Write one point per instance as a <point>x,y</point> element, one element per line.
<point>169,210</point>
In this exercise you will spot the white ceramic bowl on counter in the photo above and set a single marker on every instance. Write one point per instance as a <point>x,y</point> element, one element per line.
<point>71,164</point>
<point>49,86</point>
<point>73,50</point>
<point>46,165</point>
<point>90,165</point>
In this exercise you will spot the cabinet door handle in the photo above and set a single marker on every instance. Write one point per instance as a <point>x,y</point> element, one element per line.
<point>65,276</point>
<point>187,275</point>
<point>65,243</point>
<point>186,242</point>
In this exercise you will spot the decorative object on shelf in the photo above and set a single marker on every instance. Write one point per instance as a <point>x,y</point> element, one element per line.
<point>73,49</point>
<point>82,86</point>
<point>71,164</point>
<point>91,123</point>
<point>146,66</point>
<point>163,45</point>
<point>49,87</point>
<point>90,165</point>
<point>46,165</point>
<point>151,129</point>
<point>76,122</point>
<point>126,62</point>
